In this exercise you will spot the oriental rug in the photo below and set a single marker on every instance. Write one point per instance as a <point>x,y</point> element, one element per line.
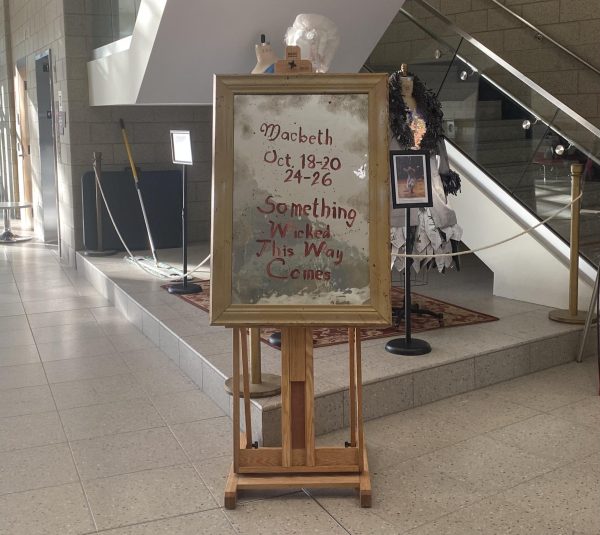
<point>454,316</point>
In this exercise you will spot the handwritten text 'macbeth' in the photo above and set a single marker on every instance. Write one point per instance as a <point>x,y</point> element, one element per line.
<point>273,132</point>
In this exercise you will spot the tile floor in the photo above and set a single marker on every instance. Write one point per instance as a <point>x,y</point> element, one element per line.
<point>100,432</point>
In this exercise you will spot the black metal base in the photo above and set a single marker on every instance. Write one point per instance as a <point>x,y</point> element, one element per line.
<point>399,346</point>
<point>275,339</point>
<point>415,308</point>
<point>8,237</point>
<point>181,289</point>
<point>93,253</point>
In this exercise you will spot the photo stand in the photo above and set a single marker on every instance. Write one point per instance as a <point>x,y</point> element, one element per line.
<point>408,345</point>
<point>411,196</point>
<point>297,463</point>
<point>184,159</point>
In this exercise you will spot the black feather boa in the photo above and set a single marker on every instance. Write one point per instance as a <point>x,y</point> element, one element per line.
<point>430,109</point>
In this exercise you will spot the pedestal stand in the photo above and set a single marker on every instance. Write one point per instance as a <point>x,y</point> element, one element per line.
<point>297,463</point>
<point>7,235</point>
<point>408,345</point>
<point>262,385</point>
<point>185,287</point>
<point>572,314</point>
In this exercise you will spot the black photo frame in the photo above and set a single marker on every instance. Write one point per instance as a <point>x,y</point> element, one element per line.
<point>410,189</point>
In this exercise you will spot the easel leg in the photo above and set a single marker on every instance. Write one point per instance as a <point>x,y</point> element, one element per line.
<point>231,486</point>
<point>352,368</point>
<point>365,483</point>
<point>246,380</point>
<point>231,489</point>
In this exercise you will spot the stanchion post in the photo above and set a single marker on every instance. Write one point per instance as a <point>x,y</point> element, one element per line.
<point>572,314</point>
<point>99,250</point>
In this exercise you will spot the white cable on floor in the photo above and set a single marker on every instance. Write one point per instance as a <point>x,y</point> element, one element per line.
<point>470,251</point>
<point>154,271</point>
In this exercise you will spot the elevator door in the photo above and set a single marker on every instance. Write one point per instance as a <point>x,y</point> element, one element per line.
<point>43,75</point>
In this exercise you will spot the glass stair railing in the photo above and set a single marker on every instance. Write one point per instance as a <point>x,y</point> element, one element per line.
<point>519,134</point>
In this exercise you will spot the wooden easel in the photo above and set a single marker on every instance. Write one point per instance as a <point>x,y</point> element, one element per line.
<point>297,463</point>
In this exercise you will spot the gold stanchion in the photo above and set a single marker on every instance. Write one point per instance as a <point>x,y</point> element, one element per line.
<point>573,315</point>
<point>262,385</point>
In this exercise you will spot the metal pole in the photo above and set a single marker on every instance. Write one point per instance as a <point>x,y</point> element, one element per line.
<point>137,187</point>
<point>572,314</point>
<point>576,171</point>
<point>407,268</point>
<point>98,169</point>
<point>184,287</point>
<point>590,318</point>
<point>184,223</point>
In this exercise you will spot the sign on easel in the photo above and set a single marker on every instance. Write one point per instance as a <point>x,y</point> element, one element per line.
<point>300,231</point>
<point>300,238</point>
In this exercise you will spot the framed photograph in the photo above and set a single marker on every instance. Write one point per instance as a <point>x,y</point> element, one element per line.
<point>410,173</point>
<point>300,231</point>
<point>181,147</point>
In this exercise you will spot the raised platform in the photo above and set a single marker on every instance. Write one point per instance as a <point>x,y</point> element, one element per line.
<point>523,341</point>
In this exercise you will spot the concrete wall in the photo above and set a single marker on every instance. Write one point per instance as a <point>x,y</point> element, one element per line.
<point>573,23</point>
<point>71,29</point>
<point>29,27</point>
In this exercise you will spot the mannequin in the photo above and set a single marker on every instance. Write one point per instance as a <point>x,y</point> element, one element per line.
<point>416,123</point>
<point>265,57</point>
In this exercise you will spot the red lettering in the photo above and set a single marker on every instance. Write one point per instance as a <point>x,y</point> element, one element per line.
<point>270,273</point>
<point>269,202</point>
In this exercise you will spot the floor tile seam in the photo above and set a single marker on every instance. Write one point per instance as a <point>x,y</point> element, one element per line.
<point>100,355</point>
<point>185,452</point>
<point>43,487</point>
<point>110,434</point>
<point>123,526</point>
<point>26,448</point>
<point>462,441</point>
<point>550,412</point>
<point>201,419</point>
<point>82,379</point>
<point>85,481</point>
<point>468,505</point>
<point>75,441</point>
<point>330,515</point>
<point>83,490</point>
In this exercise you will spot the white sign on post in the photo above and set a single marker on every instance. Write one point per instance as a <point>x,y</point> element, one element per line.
<point>181,147</point>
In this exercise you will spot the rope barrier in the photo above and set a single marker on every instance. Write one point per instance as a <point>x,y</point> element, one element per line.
<point>471,251</point>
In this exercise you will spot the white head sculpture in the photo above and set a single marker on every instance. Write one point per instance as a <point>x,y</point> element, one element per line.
<point>318,39</point>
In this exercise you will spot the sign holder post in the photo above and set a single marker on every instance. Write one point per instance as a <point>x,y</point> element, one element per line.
<point>182,154</point>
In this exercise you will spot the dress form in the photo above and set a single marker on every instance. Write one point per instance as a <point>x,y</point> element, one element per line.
<point>433,227</point>
<point>265,57</point>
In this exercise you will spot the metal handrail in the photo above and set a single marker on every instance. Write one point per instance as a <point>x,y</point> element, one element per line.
<point>545,36</point>
<point>508,67</point>
<point>530,111</point>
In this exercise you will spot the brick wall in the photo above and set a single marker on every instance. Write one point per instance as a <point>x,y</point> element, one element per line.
<point>573,23</point>
<point>97,129</point>
<point>28,28</point>
<point>71,29</point>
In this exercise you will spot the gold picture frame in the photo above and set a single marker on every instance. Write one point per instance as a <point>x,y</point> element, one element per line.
<point>240,103</point>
